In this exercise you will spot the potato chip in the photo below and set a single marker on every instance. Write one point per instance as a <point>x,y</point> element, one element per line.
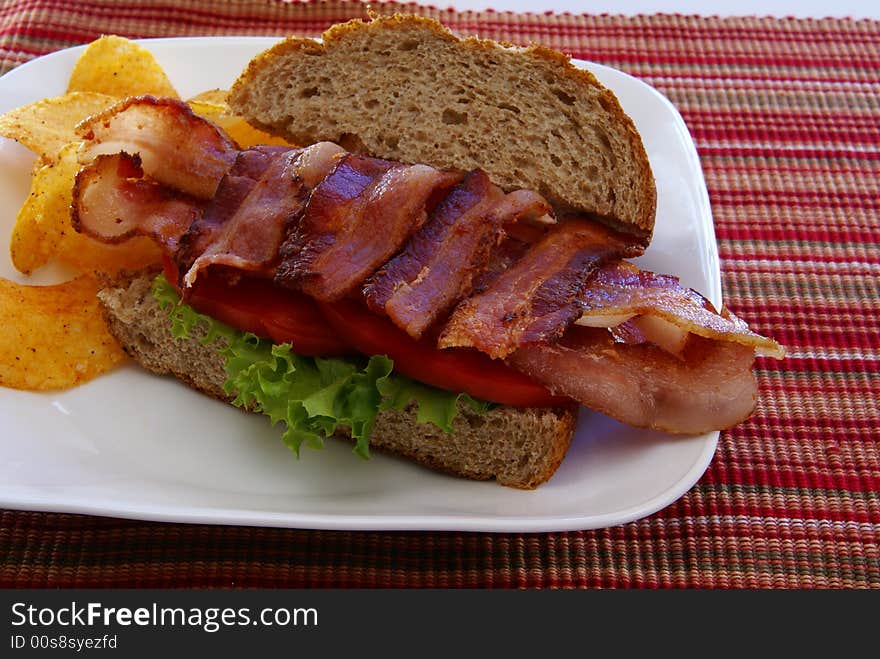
<point>119,67</point>
<point>53,337</point>
<point>214,96</point>
<point>46,126</point>
<point>28,247</point>
<point>208,106</point>
<point>246,135</point>
<point>43,228</point>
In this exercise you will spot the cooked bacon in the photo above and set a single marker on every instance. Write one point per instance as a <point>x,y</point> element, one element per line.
<point>356,219</point>
<point>662,310</point>
<point>509,250</point>
<point>529,218</point>
<point>176,146</point>
<point>536,298</point>
<point>525,206</point>
<point>249,166</point>
<point>112,202</point>
<point>439,262</point>
<point>324,221</point>
<point>256,204</point>
<point>669,361</point>
<point>442,260</point>
<point>712,387</point>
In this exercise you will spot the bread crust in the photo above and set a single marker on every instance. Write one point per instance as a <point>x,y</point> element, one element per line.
<point>310,111</point>
<point>518,447</point>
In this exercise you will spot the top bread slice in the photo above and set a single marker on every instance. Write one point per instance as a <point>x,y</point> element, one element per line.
<point>517,447</point>
<point>405,88</point>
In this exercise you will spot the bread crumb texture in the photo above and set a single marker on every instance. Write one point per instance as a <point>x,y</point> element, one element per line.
<point>405,88</point>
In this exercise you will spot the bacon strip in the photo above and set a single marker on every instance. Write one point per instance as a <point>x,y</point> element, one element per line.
<point>536,298</point>
<point>249,167</point>
<point>524,206</point>
<point>176,146</point>
<point>257,203</point>
<point>357,218</point>
<point>324,222</point>
<point>713,387</point>
<point>452,251</point>
<point>621,289</point>
<point>533,219</point>
<point>439,262</point>
<point>112,202</point>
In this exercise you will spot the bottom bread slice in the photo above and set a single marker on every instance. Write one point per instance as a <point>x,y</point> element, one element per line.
<point>519,447</point>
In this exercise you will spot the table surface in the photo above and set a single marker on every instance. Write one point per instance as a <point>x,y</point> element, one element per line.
<point>785,115</point>
<point>779,8</point>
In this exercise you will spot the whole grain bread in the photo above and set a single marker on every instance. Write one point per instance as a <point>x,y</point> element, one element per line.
<point>519,448</point>
<point>405,88</point>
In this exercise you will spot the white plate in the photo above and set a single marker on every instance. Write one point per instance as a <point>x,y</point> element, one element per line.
<point>133,445</point>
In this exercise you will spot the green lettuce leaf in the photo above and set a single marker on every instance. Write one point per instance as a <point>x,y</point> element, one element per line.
<point>311,397</point>
<point>436,406</point>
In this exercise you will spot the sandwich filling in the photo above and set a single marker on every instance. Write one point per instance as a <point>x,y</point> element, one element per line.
<point>456,280</point>
<point>313,397</point>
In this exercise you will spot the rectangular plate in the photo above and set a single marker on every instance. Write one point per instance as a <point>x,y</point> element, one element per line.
<point>134,445</point>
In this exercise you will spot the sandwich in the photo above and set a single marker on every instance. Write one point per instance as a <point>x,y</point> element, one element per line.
<point>438,270</point>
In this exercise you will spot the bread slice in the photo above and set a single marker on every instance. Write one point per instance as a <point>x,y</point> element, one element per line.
<point>405,88</point>
<point>519,448</point>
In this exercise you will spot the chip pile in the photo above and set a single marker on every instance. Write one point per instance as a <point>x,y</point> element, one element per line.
<point>55,337</point>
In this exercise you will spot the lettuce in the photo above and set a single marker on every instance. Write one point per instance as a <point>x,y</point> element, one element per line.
<point>311,396</point>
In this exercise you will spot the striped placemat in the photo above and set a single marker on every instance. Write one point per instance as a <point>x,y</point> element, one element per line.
<point>786,117</point>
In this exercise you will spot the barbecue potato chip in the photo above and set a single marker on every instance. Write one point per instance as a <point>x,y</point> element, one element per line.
<point>211,105</point>
<point>43,228</point>
<point>53,337</point>
<point>29,247</point>
<point>119,67</point>
<point>213,96</point>
<point>46,126</point>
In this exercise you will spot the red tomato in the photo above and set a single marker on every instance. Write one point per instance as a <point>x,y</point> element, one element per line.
<point>322,329</point>
<point>257,305</point>
<point>455,369</point>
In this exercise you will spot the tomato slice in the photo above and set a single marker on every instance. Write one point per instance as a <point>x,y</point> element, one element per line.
<point>314,328</point>
<point>256,305</point>
<point>455,369</point>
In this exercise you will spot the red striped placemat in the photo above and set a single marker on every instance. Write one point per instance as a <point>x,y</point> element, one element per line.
<point>786,118</point>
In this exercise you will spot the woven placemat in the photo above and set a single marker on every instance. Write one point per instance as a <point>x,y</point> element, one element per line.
<point>786,118</point>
